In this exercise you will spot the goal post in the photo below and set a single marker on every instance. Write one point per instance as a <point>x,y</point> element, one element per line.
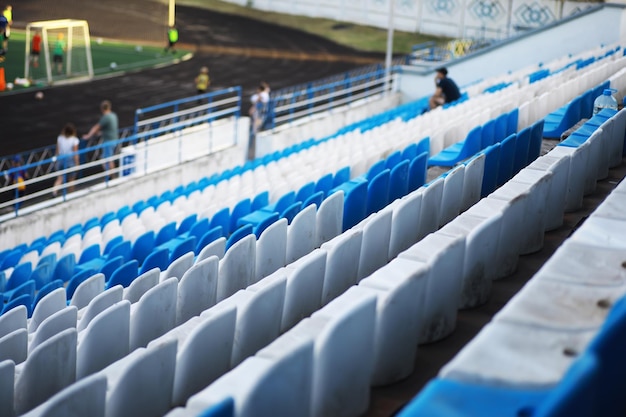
<point>65,51</point>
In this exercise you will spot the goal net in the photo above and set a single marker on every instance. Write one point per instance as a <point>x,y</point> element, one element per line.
<point>58,50</point>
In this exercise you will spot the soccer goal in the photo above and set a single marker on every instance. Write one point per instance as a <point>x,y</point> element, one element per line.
<point>58,50</point>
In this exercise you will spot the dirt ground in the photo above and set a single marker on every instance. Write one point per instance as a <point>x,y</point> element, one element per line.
<point>238,51</point>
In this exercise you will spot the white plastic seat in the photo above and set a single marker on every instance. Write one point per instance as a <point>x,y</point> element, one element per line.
<point>330,218</point>
<point>401,292</point>
<point>555,204</point>
<point>14,319</point>
<point>479,270</point>
<point>88,290</point>
<point>444,256</point>
<point>47,306</point>
<point>197,289</point>
<point>154,314</point>
<point>56,359</point>
<point>236,269</point>
<point>375,243</point>
<point>52,248</point>
<point>141,284</point>
<point>342,264</point>
<point>271,248</point>
<point>141,383</point>
<point>215,248</point>
<point>31,256</point>
<point>405,223</point>
<point>83,398</point>
<point>178,268</point>
<point>99,303</point>
<point>259,311</point>
<point>431,205</point>
<point>54,324</point>
<point>7,376</point>
<point>452,196</point>
<point>302,234</point>
<point>602,231</point>
<point>472,181</point>
<point>104,340</point>
<point>14,346</point>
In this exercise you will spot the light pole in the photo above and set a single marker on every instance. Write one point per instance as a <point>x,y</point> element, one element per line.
<point>389,47</point>
<point>171,16</point>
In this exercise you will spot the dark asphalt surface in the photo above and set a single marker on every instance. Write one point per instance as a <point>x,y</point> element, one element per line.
<point>29,124</point>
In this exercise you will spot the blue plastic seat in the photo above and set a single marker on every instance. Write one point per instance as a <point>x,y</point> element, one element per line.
<point>536,136</point>
<point>222,219</point>
<point>92,252</point>
<point>124,275</point>
<point>260,228</point>
<point>110,266</point>
<point>562,119</point>
<point>42,275</point>
<point>399,181</point>
<point>512,121</point>
<point>459,151</point>
<point>261,200</point>
<point>19,276</point>
<point>165,234</point>
<point>378,192</point>
<point>522,146</point>
<point>315,198</point>
<point>50,258</point>
<point>418,171</point>
<point>64,268</point>
<point>282,203</point>
<point>112,243</point>
<point>76,280</point>
<point>305,191</point>
<point>242,208</point>
<point>375,169</point>
<point>424,146</point>
<point>354,202</point>
<point>24,300</point>
<point>158,258</point>
<point>488,134</point>
<point>325,184</point>
<point>106,218</point>
<point>27,288</point>
<point>45,290</point>
<point>342,175</point>
<point>76,229</point>
<point>393,160</point>
<point>186,224</point>
<point>500,128</point>
<point>225,408</point>
<point>91,223</point>
<point>290,212</point>
<point>123,212</point>
<point>39,242</point>
<point>490,172</point>
<point>12,259</point>
<point>121,249</point>
<point>199,228</point>
<point>140,206</point>
<point>182,247</point>
<point>409,152</point>
<point>507,155</point>
<point>210,236</point>
<point>586,104</point>
<point>239,234</point>
<point>143,246</point>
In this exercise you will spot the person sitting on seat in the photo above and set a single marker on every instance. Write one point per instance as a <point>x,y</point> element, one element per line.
<point>446,90</point>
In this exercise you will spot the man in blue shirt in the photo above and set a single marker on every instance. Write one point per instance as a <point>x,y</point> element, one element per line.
<point>446,90</point>
<point>108,127</point>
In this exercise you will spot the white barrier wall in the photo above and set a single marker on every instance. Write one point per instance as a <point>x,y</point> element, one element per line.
<point>98,200</point>
<point>602,26</point>
<point>491,19</point>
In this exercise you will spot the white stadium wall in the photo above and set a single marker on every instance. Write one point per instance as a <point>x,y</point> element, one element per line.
<point>491,19</point>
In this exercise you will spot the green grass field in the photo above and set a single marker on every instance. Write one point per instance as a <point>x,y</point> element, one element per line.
<point>126,56</point>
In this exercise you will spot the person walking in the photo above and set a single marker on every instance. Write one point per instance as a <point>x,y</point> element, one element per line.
<point>446,90</point>
<point>107,126</point>
<point>66,156</point>
<point>172,38</point>
<point>202,81</point>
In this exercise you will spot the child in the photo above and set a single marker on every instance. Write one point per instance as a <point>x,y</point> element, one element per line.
<point>17,177</point>
<point>35,49</point>
<point>202,80</point>
<point>59,49</point>
<point>67,156</point>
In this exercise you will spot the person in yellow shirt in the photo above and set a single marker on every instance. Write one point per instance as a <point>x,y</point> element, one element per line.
<point>202,80</point>
<point>8,15</point>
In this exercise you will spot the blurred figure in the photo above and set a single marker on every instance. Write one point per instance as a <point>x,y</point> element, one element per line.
<point>172,38</point>
<point>202,80</point>
<point>7,13</point>
<point>17,177</point>
<point>108,127</point>
<point>57,53</point>
<point>446,90</point>
<point>67,156</point>
<point>257,116</point>
<point>35,49</point>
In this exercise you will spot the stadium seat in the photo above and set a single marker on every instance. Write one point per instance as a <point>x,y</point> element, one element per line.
<point>505,163</point>
<point>210,236</point>
<point>165,234</point>
<point>487,136</point>
<point>451,199</point>
<point>241,209</point>
<point>236,268</point>
<point>354,201</point>
<point>181,247</point>
<point>54,301</point>
<point>342,264</point>
<point>315,198</point>
<point>124,275</point>
<point>197,290</point>
<point>399,180</point>
<point>378,191</point>
<point>20,275</point>
<point>562,119</point>
<point>23,300</point>
<point>271,249</point>
<point>110,266</point>
<point>154,314</point>
<point>459,151</point>
<point>64,268</point>
<point>47,289</point>
<point>143,246</point>
<point>472,182</point>
<point>222,219</point>
<point>324,184</point>
<point>57,322</point>
<point>305,191</point>
<point>492,163</point>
